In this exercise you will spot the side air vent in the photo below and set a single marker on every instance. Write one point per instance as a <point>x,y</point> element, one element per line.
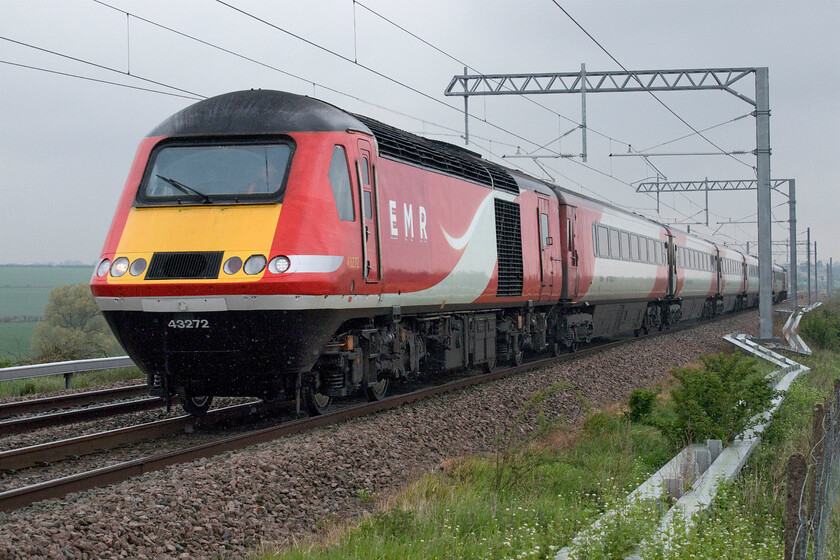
<point>508,248</point>
<point>184,266</point>
<point>440,156</point>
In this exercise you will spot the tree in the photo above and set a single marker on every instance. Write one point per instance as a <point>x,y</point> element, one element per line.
<point>73,328</point>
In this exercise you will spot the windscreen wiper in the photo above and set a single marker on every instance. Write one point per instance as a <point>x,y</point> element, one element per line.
<point>184,188</point>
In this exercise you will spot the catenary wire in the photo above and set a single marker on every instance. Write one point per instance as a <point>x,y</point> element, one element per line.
<point>101,66</point>
<point>98,80</point>
<point>650,92</point>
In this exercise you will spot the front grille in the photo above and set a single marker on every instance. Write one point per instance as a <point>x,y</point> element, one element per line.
<point>508,248</point>
<point>184,266</point>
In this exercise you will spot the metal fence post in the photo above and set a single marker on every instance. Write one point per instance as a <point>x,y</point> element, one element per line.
<point>796,469</point>
<point>817,452</point>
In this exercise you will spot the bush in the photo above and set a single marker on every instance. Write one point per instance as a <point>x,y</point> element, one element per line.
<point>73,328</point>
<point>821,327</point>
<point>718,400</point>
<point>641,404</point>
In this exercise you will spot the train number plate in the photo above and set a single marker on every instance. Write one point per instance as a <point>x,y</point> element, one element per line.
<point>189,324</point>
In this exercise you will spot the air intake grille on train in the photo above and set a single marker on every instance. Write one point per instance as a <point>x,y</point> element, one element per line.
<point>508,248</point>
<point>184,266</point>
<point>440,156</point>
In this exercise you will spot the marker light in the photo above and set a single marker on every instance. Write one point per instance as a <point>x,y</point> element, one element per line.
<point>103,267</point>
<point>255,264</point>
<point>119,267</point>
<point>232,265</point>
<point>279,265</point>
<point>137,267</point>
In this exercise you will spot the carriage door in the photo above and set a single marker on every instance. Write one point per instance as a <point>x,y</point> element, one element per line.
<point>671,261</point>
<point>366,174</point>
<point>568,225</point>
<point>547,223</point>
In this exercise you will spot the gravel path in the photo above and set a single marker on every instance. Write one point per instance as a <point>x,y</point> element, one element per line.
<point>280,491</point>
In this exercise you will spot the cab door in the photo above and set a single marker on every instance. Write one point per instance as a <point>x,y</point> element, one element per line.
<point>547,223</point>
<point>366,176</point>
<point>568,219</point>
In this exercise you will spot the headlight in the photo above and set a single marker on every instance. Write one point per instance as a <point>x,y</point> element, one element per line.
<point>279,265</point>
<point>255,264</point>
<point>103,267</point>
<point>137,267</point>
<point>119,267</point>
<point>232,265</point>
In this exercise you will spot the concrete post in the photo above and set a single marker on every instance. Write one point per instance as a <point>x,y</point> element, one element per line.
<point>809,266</point>
<point>816,275</point>
<point>793,271</point>
<point>765,239</point>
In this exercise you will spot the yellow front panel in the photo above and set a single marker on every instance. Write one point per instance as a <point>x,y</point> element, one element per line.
<point>240,230</point>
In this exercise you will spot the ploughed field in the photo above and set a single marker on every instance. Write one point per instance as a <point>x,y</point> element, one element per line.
<point>284,490</point>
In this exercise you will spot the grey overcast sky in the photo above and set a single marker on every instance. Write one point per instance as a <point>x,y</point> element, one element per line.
<point>66,143</point>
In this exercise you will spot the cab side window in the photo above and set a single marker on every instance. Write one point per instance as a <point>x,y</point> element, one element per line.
<point>339,176</point>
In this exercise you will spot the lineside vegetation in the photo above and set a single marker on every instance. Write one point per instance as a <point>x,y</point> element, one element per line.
<point>535,495</point>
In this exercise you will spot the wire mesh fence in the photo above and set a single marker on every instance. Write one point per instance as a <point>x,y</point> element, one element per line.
<point>813,485</point>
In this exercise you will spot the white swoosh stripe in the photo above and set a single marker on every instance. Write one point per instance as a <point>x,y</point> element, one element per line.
<point>461,242</point>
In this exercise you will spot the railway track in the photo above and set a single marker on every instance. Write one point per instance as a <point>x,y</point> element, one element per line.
<point>21,425</point>
<point>21,497</point>
<point>24,457</point>
<point>31,406</point>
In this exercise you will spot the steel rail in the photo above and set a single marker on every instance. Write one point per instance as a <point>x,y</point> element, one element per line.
<point>9,409</point>
<point>20,425</point>
<point>21,497</point>
<point>60,450</point>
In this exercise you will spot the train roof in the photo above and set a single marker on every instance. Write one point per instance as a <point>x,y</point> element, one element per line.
<point>258,112</point>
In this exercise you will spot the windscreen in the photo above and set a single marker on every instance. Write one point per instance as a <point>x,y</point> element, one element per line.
<point>218,173</point>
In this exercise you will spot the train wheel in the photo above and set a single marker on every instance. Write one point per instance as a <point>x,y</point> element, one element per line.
<point>195,405</point>
<point>377,391</point>
<point>315,403</point>
<point>490,365</point>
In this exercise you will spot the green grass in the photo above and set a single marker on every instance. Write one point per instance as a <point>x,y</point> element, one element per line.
<point>50,383</point>
<point>15,339</point>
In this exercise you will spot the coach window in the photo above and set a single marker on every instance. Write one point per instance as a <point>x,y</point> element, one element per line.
<point>614,252</point>
<point>651,248</point>
<point>603,241</point>
<point>544,229</point>
<point>643,254</point>
<point>625,245</point>
<point>339,177</point>
<point>634,248</point>
<point>368,206</point>
<point>365,176</point>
